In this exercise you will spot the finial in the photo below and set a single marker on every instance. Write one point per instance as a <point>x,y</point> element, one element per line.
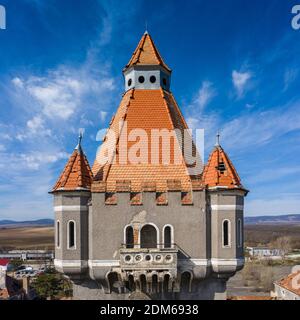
<point>78,147</point>
<point>218,139</point>
<point>146,27</point>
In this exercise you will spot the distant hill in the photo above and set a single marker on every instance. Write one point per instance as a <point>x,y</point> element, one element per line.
<point>32,223</point>
<point>284,219</point>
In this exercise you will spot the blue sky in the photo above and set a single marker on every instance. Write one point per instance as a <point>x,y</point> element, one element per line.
<point>235,68</point>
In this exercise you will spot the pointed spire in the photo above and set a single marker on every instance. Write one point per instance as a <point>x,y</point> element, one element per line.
<point>78,147</point>
<point>146,53</point>
<point>77,174</point>
<point>217,139</point>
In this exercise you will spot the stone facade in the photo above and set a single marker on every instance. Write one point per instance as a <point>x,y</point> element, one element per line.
<point>177,236</point>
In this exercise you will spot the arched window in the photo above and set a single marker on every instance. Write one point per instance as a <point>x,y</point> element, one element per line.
<point>57,234</point>
<point>71,235</point>
<point>168,236</point>
<point>240,233</point>
<point>185,282</point>
<point>114,283</point>
<point>226,233</point>
<point>129,237</point>
<point>148,236</point>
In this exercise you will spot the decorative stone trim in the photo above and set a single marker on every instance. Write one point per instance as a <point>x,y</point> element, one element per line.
<point>70,208</point>
<point>226,207</point>
<point>103,263</point>
<point>70,263</point>
<point>227,262</point>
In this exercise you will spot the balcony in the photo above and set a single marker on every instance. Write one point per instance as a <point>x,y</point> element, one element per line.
<point>150,259</point>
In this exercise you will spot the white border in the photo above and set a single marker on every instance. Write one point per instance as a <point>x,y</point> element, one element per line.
<point>226,207</point>
<point>229,234</point>
<point>70,208</point>
<point>172,235</point>
<point>157,233</point>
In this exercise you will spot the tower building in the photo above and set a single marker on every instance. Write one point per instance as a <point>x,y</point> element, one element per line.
<point>149,217</point>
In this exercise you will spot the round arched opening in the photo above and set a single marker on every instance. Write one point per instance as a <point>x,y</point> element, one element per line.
<point>148,236</point>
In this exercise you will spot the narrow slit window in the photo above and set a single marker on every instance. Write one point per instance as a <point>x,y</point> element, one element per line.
<point>58,234</point>
<point>226,233</point>
<point>72,235</point>
<point>240,233</point>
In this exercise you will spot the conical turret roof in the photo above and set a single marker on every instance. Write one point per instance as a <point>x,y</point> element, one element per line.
<point>77,174</point>
<point>146,53</point>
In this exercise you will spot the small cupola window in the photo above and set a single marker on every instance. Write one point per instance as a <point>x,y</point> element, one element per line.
<point>129,82</point>
<point>141,79</point>
<point>152,79</point>
<point>221,167</point>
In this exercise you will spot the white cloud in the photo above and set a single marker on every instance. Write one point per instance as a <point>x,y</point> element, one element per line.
<point>205,94</point>
<point>240,81</point>
<point>18,82</point>
<point>259,128</point>
<point>34,160</point>
<point>2,148</point>
<point>61,93</point>
<point>35,124</point>
<point>103,115</point>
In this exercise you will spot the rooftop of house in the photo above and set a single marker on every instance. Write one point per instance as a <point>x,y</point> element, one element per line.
<point>4,262</point>
<point>291,282</point>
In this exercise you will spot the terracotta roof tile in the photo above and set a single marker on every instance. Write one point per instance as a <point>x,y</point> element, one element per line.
<point>146,53</point>
<point>287,282</point>
<point>219,170</point>
<point>77,173</point>
<point>147,110</point>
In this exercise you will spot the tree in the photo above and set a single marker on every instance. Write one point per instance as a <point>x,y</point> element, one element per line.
<point>283,243</point>
<point>49,285</point>
<point>15,264</point>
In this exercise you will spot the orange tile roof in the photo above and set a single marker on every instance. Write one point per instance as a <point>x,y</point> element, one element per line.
<point>77,173</point>
<point>287,282</point>
<point>147,110</point>
<point>213,175</point>
<point>146,53</point>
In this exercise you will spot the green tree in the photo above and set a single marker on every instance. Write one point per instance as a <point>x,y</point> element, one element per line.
<point>49,285</point>
<point>15,264</point>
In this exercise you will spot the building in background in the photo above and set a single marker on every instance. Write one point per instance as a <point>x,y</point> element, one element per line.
<point>288,288</point>
<point>169,231</point>
<point>264,252</point>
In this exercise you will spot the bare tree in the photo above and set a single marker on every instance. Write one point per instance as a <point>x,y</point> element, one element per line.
<point>283,243</point>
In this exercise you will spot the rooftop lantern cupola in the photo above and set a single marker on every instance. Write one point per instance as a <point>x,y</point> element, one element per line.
<point>146,68</point>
